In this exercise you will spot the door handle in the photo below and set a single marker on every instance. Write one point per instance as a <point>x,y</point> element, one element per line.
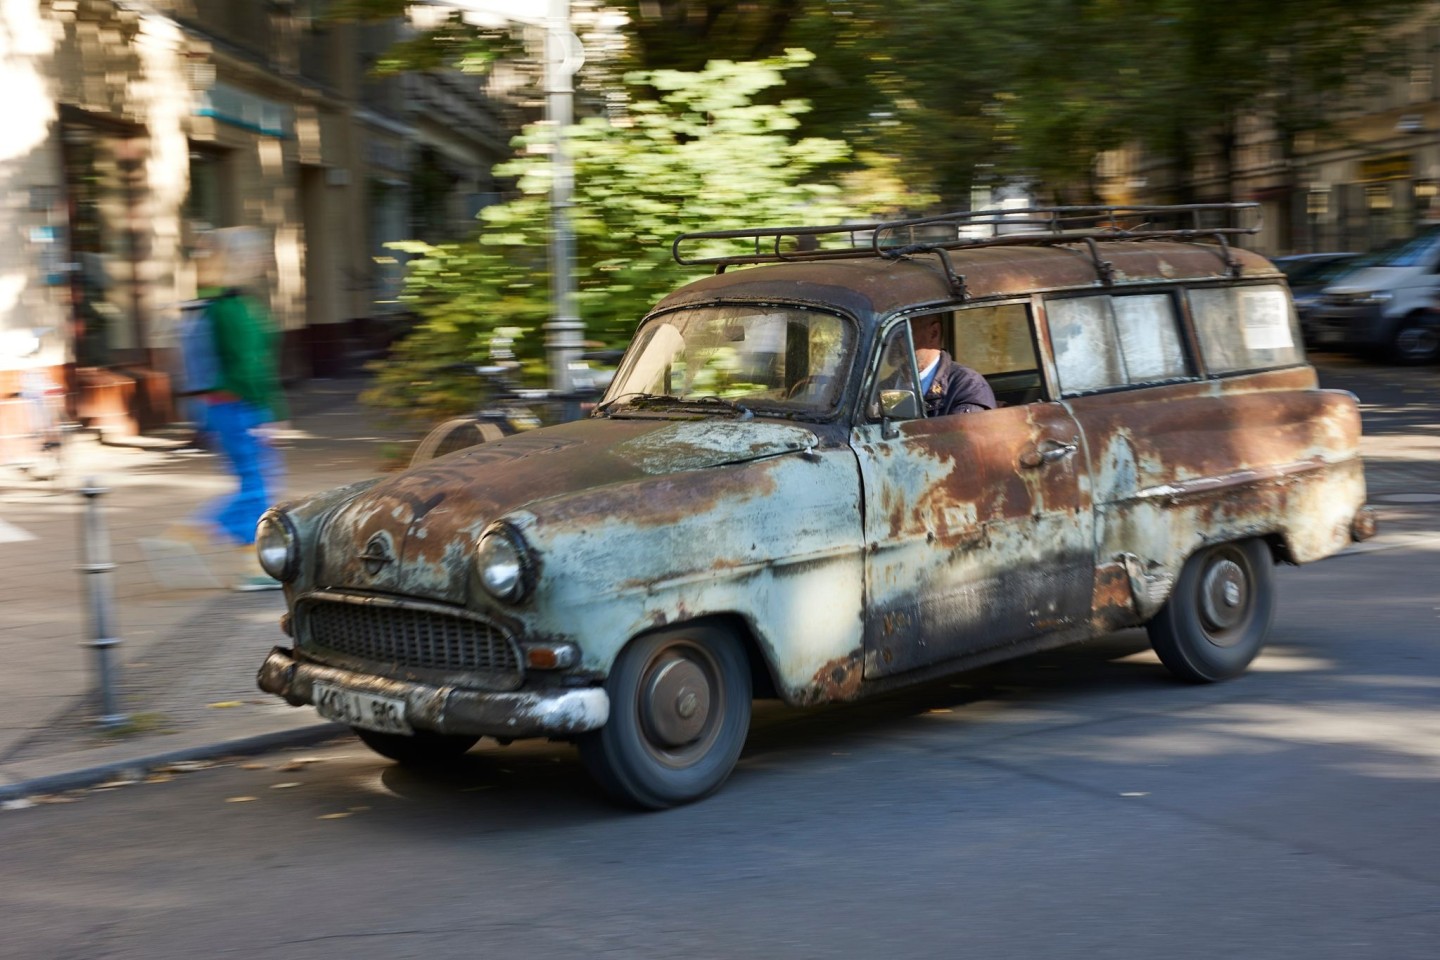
<point>1048,451</point>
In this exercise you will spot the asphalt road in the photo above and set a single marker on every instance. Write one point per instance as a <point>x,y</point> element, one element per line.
<point>1077,804</point>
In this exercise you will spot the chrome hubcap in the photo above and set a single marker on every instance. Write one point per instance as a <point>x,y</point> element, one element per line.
<point>675,707</point>
<point>1224,598</point>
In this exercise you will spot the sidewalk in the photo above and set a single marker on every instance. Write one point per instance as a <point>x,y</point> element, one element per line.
<point>185,669</point>
<point>186,666</point>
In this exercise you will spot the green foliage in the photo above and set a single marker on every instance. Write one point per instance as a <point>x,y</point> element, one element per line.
<point>452,42</point>
<point>957,92</point>
<point>703,155</point>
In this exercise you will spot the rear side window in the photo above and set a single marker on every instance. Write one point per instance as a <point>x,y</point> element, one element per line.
<point>1245,328</point>
<point>1108,341</point>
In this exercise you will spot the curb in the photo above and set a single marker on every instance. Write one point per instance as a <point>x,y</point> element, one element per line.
<point>241,746</point>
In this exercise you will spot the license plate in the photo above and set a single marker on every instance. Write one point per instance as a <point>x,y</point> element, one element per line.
<point>1329,336</point>
<point>368,710</point>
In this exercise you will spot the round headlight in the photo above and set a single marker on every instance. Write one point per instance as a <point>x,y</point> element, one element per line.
<point>277,546</point>
<point>502,562</point>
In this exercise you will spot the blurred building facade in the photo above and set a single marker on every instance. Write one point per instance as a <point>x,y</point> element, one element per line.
<point>138,123</point>
<point>1370,177</point>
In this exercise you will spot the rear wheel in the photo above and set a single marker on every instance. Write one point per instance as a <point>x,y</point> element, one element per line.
<point>679,714</point>
<point>422,749</point>
<point>1218,614</point>
<point>453,435</point>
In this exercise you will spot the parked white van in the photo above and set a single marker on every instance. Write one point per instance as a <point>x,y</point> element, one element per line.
<point>1381,305</point>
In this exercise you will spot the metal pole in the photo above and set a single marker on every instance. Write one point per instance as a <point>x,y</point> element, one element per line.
<point>563,331</point>
<point>96,552</point>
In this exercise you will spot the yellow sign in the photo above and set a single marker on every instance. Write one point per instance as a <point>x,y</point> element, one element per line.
<point>1395,167</point>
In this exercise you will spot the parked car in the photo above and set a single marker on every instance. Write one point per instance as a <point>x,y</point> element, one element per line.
<point>1308,275</point>
<point>760,507</point>
<point>1378,306</point>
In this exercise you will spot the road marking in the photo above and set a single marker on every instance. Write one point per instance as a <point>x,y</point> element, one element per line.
<point>9,533</point>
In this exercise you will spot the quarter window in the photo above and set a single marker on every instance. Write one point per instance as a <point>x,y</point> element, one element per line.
<point>1245,328</point>
<point>1104,342</point>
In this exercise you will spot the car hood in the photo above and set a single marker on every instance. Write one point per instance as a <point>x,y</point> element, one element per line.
<point>415,533</point>
<point>1368,279</point>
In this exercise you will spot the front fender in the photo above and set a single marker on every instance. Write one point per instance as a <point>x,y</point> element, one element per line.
<point>776,542</point>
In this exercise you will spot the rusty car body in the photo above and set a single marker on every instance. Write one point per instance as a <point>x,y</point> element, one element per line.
<point>756,509</point>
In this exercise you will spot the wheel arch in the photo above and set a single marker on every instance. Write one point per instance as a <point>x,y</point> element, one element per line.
<point>1278,544</point>
<point>762,669</point>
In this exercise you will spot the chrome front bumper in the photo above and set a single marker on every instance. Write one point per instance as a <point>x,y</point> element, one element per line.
<point>447,709</point>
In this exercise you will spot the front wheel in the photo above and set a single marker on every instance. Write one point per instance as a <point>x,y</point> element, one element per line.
<point>1218,614</point>
<point>1416,342</point>
<point>420,749</point>
<point>679,714</point>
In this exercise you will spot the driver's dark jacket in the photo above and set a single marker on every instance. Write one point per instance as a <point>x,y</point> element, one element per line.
<point>957,389</point>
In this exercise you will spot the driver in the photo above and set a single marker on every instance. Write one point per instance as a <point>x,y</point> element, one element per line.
<point>946,386</point>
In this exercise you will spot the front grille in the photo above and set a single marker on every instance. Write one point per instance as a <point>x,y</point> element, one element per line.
<point>415,639</point>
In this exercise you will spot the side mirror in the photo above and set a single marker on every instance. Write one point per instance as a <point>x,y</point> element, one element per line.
<point>899,405</point>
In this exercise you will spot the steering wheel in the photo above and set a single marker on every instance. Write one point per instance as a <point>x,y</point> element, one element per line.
<point>808,386</point>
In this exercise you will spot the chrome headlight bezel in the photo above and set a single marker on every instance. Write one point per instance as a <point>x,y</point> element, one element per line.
<point>277,545</point>
<point>504,563</point>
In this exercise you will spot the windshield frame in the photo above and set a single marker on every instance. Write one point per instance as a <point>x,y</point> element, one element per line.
<point>613,402</point>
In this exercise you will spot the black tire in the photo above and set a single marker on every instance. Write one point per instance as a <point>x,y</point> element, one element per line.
<point>679,715</point>
<point>453,435</point>
<point>1218,614</point>
<point>422,749</point>
<point>1415,342</point>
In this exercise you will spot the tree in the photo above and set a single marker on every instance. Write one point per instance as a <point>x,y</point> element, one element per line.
<point>704,155</point>
<point>1209,68</point>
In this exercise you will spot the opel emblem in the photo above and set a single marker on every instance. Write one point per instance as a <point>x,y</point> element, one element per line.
<point>376,555</point>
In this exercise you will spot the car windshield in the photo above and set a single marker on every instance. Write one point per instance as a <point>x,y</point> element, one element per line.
<point>745,359</point>
<point>1317,271</point>
<point>1414,252</point>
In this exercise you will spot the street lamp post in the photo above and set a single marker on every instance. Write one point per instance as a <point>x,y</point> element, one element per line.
<point>563,57</point>
<point>564,329</point>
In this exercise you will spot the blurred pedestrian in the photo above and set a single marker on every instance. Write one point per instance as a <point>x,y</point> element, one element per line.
<point>241,415</point>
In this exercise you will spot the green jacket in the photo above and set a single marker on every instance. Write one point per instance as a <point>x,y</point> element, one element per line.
<point>246,342</point>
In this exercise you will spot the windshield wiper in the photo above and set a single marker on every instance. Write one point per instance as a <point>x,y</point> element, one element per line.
<point>667,399</point>
<point>637,395</point>
<point>804,416</point>
<point>745,412</point>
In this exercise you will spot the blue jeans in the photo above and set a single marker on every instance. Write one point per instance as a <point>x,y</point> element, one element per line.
<point>254,462</point>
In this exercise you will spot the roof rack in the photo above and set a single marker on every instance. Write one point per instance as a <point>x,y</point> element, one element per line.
<point>1022,226</point>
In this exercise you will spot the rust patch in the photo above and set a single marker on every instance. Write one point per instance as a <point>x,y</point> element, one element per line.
<point>1113,604</point>
<point>837,680</point>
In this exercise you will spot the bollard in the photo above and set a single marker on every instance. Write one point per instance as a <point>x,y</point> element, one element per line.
<point>96,552</point>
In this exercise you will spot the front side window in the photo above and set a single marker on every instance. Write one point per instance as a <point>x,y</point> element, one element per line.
<point>996,341</point>
<point>1107,341</point>
<point>1245,328</point>
<point>783,360</point>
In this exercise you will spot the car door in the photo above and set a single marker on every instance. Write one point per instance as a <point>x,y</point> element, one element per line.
<point>978,526</point>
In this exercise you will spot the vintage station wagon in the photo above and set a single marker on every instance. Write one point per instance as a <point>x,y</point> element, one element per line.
<point>761,508</point>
